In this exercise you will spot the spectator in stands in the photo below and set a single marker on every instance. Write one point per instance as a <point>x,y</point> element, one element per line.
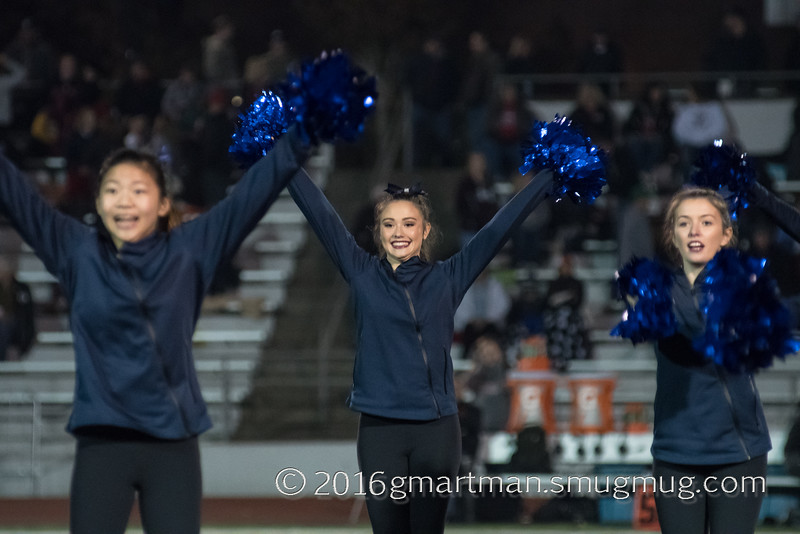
<point>509,122</point>
<point>68,95</point>
<point>137,134</point>
<point>567,338</point>
<point>648,128</point>
<point>12,73</point>
<point>593,114</point>
<point>483,310</point>
<point>219,56</point>
<point>135,288</point>
<point>737,49</point>
<point>264,71</point>
<point>699,121</point>
<point>432,81</point>
<point>709,423</point>
<point>519,61</point>
<point>601,56</point>
<point>476,202</point>
<point>404,307</point>
<point>184,100</point>
<point>36,55</point>
<point>487,382</point>
<point>139,93</point>
<point>634,232</point>
<point>86,148</point>
<point>477,88</point>
<point>17,319</point>
<point>526,314</point>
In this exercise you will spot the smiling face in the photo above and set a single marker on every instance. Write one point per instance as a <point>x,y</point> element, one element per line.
<point>402,230</point>
<point>698,233</point>
<point>130,203</point>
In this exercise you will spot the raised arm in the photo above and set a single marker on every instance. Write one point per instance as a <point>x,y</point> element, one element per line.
<point>468,263</point>
<point>786,216</point>
<point>46,230</point>
<point>326,223</point>
<point>222,229</point>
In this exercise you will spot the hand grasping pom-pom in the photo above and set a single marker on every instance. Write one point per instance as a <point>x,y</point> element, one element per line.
<point>578,166</point>
<point>330,98</point>
<point>725,169</point>
<point>259,128</point>
<point>747,323</point>
<point>647,288</point>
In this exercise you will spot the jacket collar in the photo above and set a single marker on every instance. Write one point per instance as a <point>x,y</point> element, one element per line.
<point>407,270</point>
<point>138,248</point>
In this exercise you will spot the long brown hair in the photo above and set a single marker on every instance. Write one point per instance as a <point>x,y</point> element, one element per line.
<point>713,197</point>
<point>149,164</point>
<point>423,205</point>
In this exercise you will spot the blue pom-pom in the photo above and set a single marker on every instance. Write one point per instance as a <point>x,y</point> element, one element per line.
<point>725,169</point>
<point>746,323</point>
<point>649,284</point>
<point>578,166</point>
<point>330,98</point>
<point>258,129</point>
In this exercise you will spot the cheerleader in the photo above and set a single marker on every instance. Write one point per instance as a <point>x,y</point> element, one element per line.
<point>710,439</point>
<point>409,439</point>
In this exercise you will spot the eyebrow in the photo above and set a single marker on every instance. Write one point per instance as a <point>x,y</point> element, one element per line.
<point>385,219</point>
<point>699,216</point>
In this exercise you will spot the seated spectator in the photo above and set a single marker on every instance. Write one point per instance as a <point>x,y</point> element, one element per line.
<point>183,100</point>
<point>488,383</point>
<point>476,202</point>
<point>699,121</point>
<point>738,48</point>
<point>648,129</point>
<point>17,322</point>
<point>483,310</point>
<point>140,93</point>
<point>509,123</point>
<point>593,114</point>
<point>567,338</point>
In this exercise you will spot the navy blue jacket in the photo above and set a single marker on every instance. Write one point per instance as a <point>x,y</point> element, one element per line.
<point>133,311</point>
<point>404,317</point>
<point>705,414</point>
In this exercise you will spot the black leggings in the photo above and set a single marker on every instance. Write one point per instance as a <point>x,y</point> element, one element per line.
<point>391,453</point>
<point>715,499</point>
<point>113,465</point>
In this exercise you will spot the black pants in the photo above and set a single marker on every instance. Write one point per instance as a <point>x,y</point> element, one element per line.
<point>408,470</point>
<point>112,466</point>
<point>716,499</point>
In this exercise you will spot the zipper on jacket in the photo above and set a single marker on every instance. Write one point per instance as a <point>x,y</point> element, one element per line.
<point>152,332</point>
<point>724,383</point>
<point>422,347</point>
<point>728,398</point>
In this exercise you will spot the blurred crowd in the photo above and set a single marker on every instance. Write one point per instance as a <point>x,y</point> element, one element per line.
<point>471,109</point>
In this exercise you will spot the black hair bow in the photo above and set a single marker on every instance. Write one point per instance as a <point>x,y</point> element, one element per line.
<point>413,191</point>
